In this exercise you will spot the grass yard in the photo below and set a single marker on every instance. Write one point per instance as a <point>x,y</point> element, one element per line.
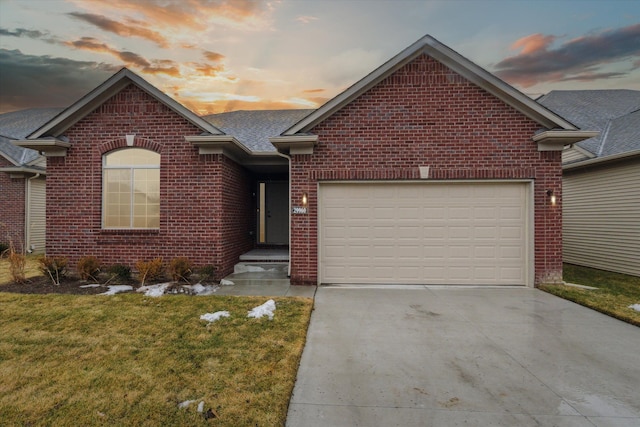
<point>131,360</point>
<point>615,293</point>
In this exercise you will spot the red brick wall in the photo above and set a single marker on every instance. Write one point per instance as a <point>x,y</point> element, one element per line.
<point>426,115</point>
<point>12,213</point>
<point>193,215</point>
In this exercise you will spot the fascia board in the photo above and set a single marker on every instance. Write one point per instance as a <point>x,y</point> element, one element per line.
<point>85,105</point>
<point>51,147</point>
<point>599,160</point>
<point>295,144</point>
<point>450,58</point>
<point>496,86</point>
<point>219,144</point>
<point>355,90</point>
<point>22,171</point>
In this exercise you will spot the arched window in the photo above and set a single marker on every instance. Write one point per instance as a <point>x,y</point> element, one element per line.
<point>131,189</point>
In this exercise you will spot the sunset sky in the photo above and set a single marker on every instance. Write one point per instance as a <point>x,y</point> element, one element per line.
<point>223,55</point>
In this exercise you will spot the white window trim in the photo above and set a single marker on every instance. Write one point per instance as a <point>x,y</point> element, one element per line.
<point>131,204</point>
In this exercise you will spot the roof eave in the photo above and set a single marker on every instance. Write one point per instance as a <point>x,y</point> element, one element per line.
<point>295,144</point>
<point>556,140</point>
<point>49,147</point>
<point>602,160</point>
<point>23,171</point>
<point>220,144</point>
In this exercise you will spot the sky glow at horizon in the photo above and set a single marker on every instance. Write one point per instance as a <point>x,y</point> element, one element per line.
<point>225,55</point>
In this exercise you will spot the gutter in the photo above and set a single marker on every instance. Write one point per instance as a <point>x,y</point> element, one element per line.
<point>289,212</point>
<point>602,160</point>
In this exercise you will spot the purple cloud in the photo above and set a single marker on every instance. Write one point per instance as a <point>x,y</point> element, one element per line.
<point>577,59</point>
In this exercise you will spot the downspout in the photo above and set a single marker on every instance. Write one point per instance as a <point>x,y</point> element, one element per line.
<point>289,161</point>
<point>27,212</point>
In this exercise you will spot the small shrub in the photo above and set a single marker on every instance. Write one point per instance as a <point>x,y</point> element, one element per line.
<point>150,270</point>
<point>180,269</point>
<point>207,272</point>
<point>88,268</point>
<point>121,273</point>
<point>54,267</point>
<point>17,263</point>
<point>4,249</point>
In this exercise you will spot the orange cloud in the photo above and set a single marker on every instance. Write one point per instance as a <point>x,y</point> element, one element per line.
<point>222,106</point>
<point>208,70</point>
<point>191,14</point>
<point>213,56</point>
<point>130,59</point>
<point>133,28</point>
<point>533,43</point>
<point>313,91</point>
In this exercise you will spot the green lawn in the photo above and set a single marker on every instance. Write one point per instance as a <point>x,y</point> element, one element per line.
<point>615,293</point>
<point>131,360</point>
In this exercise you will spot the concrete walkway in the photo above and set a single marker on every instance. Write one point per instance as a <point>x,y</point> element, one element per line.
<point>464,356</point>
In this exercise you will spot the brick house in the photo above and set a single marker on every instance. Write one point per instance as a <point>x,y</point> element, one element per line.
<point>22,181</point>
<point>428,170</point>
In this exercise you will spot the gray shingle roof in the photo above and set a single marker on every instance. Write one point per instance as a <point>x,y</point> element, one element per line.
<point>19,124</point>
<point>253,128</point>
<point>612,112</point>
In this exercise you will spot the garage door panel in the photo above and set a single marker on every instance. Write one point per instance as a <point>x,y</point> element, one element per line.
<point>436,233</point>
<point>510,232</point>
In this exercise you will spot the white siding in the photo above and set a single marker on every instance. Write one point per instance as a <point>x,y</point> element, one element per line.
<point>601,217</point>
<point>571,155</point>
<point>36,215</point>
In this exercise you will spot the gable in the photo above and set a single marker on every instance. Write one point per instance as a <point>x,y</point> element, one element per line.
<point>123,78</point>
<point>428,97</point>
<point>453,60</point>
<point>130,111</point>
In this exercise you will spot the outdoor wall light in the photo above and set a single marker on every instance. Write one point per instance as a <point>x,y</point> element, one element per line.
<point>304,199</point>
<point>552,197</point>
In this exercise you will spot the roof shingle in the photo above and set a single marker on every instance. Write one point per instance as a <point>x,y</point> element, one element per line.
<point>615,113</point>
<point>253,128</point>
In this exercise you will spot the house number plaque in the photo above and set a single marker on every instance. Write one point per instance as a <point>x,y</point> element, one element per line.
<point>299,210</point>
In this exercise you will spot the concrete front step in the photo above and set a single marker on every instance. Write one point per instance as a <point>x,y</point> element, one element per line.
<point>265,255</point>
<point>262,267</point>
<point>259,274</point>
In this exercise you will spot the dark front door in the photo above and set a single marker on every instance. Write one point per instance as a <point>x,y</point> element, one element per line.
<point>273,218</point>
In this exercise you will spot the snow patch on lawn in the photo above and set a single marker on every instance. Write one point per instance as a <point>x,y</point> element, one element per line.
<point>154,290</point>
<point>200,289</point>
<point>225,282</point>
<point>635,307</point>
<point>94,285</point>
<point>116,289</point>
<point>185,404</point>
<point>212,317</point>
<point>265,309</point>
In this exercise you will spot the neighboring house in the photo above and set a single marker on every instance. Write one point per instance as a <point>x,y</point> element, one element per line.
<point>22,181</point>
<point>428,170</point>
<point>601,179</point>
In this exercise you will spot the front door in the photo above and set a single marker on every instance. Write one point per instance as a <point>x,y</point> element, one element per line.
<point>273,219</point>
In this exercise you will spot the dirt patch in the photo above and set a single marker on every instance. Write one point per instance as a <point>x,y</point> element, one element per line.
<point>43,285</point>
<point>77,286</point>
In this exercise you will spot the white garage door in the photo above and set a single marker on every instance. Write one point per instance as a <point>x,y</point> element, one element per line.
<point>424,233</point>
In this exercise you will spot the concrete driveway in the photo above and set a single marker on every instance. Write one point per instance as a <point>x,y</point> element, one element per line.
<point>464,356</point>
